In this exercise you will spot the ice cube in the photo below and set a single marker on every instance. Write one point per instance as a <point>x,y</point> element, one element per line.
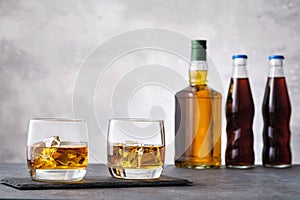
<point>132,154</point>
<point>151,157</point>
<point>53,141</point>
<point>42,152</point>
<point>131,143</point>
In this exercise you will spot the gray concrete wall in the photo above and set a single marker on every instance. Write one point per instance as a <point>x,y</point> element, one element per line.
<point>43,43</point>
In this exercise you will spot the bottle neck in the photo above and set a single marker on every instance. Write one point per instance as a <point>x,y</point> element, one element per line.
<point>276,69</point>
<point>198,73</point>
<point>239,68</point>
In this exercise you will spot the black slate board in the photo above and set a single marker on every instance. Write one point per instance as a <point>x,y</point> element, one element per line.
<point>93,182</point>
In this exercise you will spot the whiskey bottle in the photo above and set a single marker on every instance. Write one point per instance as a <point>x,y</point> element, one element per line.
<point>198,117</point>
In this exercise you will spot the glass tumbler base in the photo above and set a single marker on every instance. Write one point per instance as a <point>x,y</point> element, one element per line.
<point>131,173</point>
<point>57,175</point>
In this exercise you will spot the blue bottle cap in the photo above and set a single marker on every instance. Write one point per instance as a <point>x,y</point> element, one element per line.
<point>276,57</point>
<point>239,56</point>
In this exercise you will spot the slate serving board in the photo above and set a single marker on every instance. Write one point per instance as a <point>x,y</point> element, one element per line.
<point>93,182</point>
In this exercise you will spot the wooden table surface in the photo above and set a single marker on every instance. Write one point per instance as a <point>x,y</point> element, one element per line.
<point>257,183</point>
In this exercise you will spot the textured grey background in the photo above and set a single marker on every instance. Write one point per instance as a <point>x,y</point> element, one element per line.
<point>43,43</point>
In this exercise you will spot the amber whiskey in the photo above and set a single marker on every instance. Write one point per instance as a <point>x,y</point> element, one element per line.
<point>198,117</point>
<point>68,155</point>
<point>126,157</point>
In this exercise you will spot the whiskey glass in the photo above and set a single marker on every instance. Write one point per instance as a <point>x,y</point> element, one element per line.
<point>136,148</point>
<point>57,149</point>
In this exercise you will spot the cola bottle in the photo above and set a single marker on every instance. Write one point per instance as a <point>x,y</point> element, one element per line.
<point>239,114</point>
<point>276,111</point>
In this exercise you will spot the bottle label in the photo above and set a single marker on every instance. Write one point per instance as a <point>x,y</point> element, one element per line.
<point>276,72</point>
<point>239,72</point>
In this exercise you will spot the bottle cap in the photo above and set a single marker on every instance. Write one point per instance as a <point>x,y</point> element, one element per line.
<point>281,57</point>
<point>198,50</point>
<point>239,56</point>
<point>198,44</point>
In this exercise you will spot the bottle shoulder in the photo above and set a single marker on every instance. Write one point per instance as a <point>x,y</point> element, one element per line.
<point>196,91</point>
<point>276,97</point>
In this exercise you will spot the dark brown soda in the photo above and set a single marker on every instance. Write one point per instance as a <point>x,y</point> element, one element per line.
<point>239,115</point>
<point>276,133</point>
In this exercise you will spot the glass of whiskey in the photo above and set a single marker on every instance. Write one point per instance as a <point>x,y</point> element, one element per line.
<point>57,149</point>
<point>136,148</point>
